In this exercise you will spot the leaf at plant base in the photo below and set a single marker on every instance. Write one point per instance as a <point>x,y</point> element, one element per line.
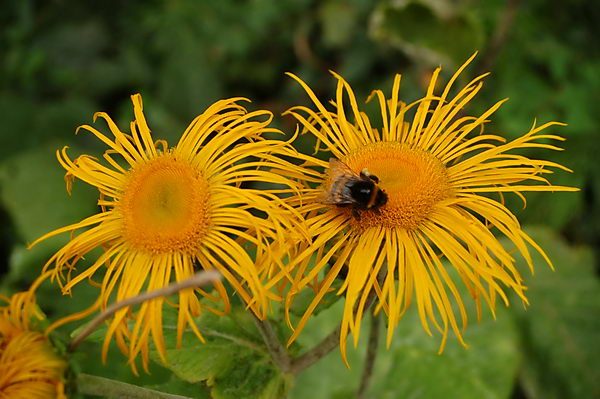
<point>560,327</point>
<point>412,367</point>
<point>233,361</point>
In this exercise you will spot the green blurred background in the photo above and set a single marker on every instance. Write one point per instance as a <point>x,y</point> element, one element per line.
<point>62,60</point>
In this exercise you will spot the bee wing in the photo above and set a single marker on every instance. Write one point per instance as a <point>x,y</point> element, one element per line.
<point>335,189</point>
<point>337,168</point>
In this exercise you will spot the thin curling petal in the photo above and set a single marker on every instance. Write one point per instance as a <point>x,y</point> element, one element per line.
<point>165,212</point>
<point>433,171</point>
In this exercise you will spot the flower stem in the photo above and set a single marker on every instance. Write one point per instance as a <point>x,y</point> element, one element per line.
<point>370,356</point>
<point>318,352</point>
<point>197,280</point>
<point>330,342</point>
<point>278,353</point>
<point>99,386</point>
<point>294,366</point>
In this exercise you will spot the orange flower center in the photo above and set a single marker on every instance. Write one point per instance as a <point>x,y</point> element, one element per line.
<point>165,206</point>
<point>413,180</point>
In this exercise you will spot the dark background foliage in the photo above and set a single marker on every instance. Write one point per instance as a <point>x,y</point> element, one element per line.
<point>61,61</point>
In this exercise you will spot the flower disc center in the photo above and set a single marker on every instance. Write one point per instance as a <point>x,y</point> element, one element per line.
<point>165,206</point>
<point>413,180</point>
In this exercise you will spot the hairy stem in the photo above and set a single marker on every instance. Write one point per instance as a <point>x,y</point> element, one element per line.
<point>370,357</point>
<point>294,366</point>
<point>318,352</point>
<point>112,389</point>
<point>331,341</point>
<point>276,350</point>
<point>197,280</point>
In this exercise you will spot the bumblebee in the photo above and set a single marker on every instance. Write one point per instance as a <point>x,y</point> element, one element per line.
<point>346,188</point>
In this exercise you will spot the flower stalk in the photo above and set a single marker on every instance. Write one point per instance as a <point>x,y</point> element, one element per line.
<point>112,389</point>
<point>370,357</point>
<point>278,353</point>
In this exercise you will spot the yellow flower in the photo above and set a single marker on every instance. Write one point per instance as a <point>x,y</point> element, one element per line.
<point>29,367</point>
<point>165,212</point>
<point>437,170</point>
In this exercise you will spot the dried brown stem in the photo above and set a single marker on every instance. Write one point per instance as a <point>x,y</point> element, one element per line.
<point>500,35</point>
<point>197,280</point>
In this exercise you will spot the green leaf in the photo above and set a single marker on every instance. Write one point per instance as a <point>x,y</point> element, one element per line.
<point>419,28</point>
<point>560,327</point>
<point>34,194</point>
<point>86,359</point>
<point>196,361</point>
<point>487,369</point>
<point>252,377</point>
<point>27,122</point>
<point>233,361</point>
<point>412,367</point>
<point>36,201</point>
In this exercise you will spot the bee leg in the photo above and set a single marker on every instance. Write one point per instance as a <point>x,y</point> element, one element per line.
<point>355,214</point>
